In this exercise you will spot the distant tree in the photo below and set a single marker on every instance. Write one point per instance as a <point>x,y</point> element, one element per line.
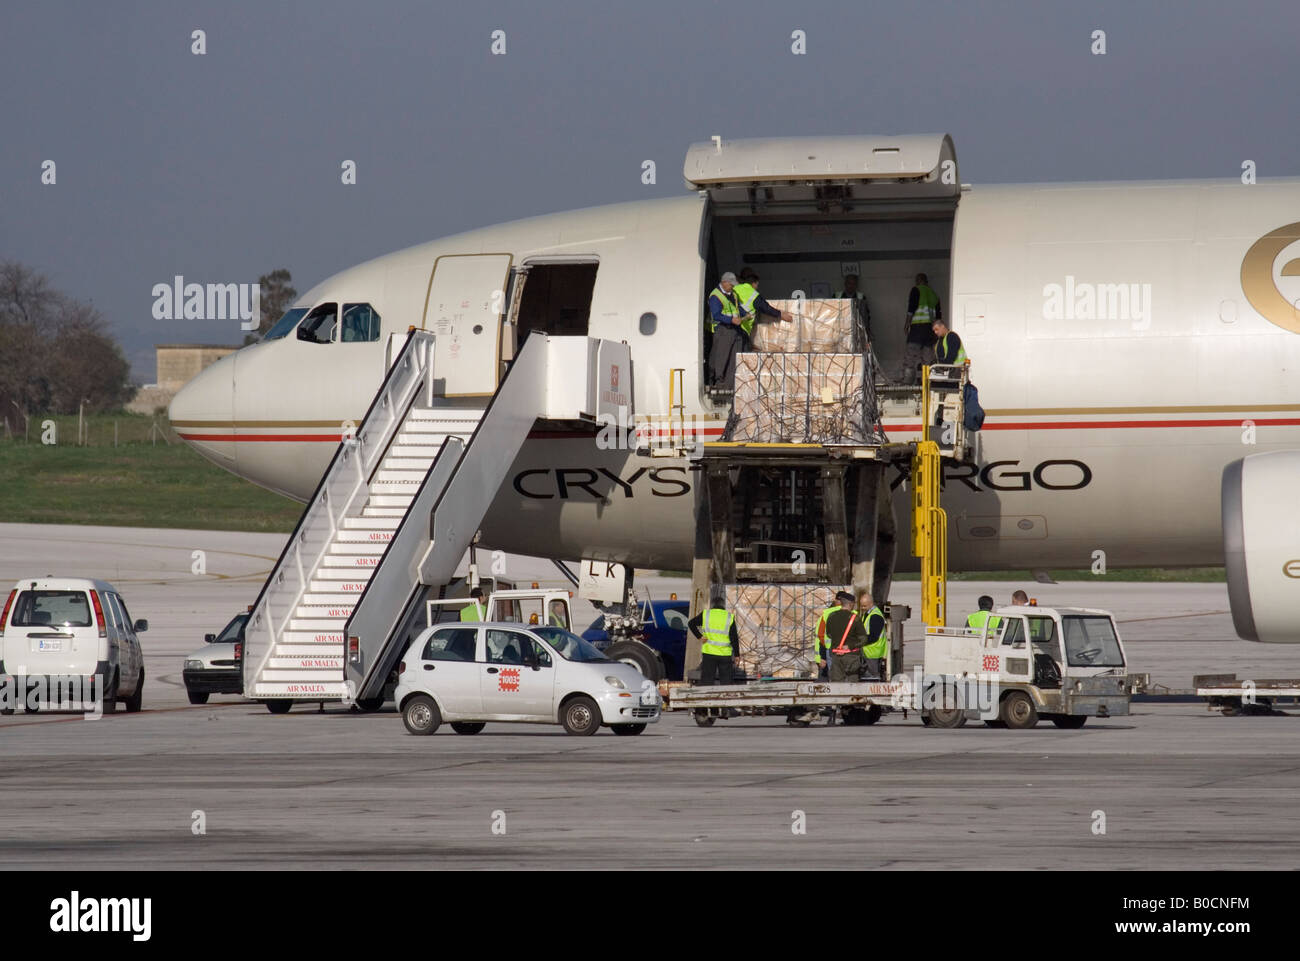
<point>56,352</point>
<point>278,296</point>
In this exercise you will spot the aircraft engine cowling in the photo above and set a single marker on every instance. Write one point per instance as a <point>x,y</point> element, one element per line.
<point>1261,545</point>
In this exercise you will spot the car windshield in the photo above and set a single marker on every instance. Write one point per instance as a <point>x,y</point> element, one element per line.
<point>52,609</point>
<point>569,646</point>
<point>234,631</point>
<point>1091,642</point>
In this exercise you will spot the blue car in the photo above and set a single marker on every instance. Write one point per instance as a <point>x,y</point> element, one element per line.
<point>660,654</point>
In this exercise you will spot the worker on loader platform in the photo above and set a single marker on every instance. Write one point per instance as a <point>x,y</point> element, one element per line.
<point>715,626</point>
<point>821,644</point>
<point>923,309</point>
<point>947,345</point>
<point>753,303</point>
<point>876,651</point>
<point>476,610</point>
<point>851,292</point>
<point>983,616</point>
<point>850,637</point>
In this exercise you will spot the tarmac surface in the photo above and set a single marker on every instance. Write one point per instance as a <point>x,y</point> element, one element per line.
<point>1174,786</point>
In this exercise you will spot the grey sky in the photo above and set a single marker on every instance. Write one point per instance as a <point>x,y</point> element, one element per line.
<point>224,166</point>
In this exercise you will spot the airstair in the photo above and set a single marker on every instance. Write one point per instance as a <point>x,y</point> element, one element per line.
<point>397,508</point>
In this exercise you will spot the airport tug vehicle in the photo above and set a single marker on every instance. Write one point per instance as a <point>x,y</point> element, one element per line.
<point>1059,664</point>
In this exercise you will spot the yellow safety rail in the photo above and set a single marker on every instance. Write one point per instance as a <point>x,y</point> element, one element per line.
<point>929,521</point>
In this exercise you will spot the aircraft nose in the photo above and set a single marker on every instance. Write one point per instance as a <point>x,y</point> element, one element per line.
<point>203,412</point>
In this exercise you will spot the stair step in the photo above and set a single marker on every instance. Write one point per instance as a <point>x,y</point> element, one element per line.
<point>407,484</point>
<point>319,597</point>
<point>369,511</point>
<point>352,561</point>
<point>327,662</point>
<point>362,536</point>
<point>314,639</point>
<point>351,549</point>
<point>301,674</point>
<point>414,451</point>
<point>338,574</point>
<point>337,616</point>
<point>309,650</point>
<point>417,465</point>
<point>317,625</point>
<point>391,500</point>
<point>370,523</point>
<point>449,425</point>
<point>314,691</point>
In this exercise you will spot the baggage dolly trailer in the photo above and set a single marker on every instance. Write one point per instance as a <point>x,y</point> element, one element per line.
<point>802,701</point>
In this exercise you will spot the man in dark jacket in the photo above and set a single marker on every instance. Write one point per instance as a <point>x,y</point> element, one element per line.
<point>844,631</point>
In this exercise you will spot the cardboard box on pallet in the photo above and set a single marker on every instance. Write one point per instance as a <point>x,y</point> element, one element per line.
<point>819,326</point>
<point>800,399</point>
<point>776,624</point>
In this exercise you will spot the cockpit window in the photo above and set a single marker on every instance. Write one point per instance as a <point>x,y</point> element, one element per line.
<point>318,326</point>
<point>285,324</point>
<point>360,323</point>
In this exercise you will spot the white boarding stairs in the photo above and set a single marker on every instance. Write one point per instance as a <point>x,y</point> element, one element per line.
<point>375,530</point>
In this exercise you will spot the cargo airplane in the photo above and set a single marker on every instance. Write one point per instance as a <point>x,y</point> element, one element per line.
<point>1136,346</point>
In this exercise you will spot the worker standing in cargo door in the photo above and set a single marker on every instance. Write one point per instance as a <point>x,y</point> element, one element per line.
<point>923,310</point>
<point>851,292</point>
<point>715,626</point>
<point>876,650</point>
<point>845,627</point>
<point>822,644</point>
<point>726,321</point>
<point>476,610</point>
<point>753,303</point>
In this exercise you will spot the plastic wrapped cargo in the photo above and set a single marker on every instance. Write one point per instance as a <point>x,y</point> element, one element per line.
<point>819,326</point>
<point>776,624</point>
<point>805,398</point>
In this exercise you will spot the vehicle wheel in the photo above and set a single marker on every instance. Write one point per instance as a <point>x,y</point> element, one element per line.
<point>645,659</point>
<point>947,717</point>
<point>279,706</point>
<point>198,697</point>
<point>110,697</point>
<point>581,716</point>
<point>136,700</point>
<point>628,730</point>
<point>1018,711</point>
<point>873,714</point>
<point>368,705</point>
<point>703,718</point>
<point>421,715</point>
<point>1070,722</point>
<point>468,727</point>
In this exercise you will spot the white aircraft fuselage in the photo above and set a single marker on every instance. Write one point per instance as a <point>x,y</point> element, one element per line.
<point>1128,340</point>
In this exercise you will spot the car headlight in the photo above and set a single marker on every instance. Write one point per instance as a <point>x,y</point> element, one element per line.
<point>614,682</point>
<point>193,665</point>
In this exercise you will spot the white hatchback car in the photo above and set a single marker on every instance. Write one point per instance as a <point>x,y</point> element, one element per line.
<point>74,629</point>
<point>472,673</point>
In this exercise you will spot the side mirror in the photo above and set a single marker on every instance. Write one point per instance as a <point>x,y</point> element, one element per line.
<point>141,626</point>
<point>209,637</point>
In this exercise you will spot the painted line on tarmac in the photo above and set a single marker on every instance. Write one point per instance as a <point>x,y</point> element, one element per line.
<point>66,718</point>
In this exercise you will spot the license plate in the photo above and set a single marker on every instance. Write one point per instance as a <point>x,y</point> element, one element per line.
<point>49,645</point>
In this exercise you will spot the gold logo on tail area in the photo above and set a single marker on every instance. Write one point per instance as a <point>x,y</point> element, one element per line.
<point>1257,277</point>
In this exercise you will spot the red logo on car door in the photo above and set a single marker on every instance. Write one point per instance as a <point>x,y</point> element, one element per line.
<point>508,680</point>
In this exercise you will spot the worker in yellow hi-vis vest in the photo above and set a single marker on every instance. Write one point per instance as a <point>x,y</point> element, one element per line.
<point>715,626</point>
<point>923,309</point>
<point>876,651</point>
<point>476,609</point>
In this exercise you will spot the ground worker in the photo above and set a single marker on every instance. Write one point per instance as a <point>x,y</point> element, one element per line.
<point>851,292</point>
<point>715,626</point>
<point>1019,599</point>
<point>982,616</point>
<point>947,345</point>
<point>876,650</point>
<point>922,310</point>
<point>821,644</point>
<point>845,628</point>
<point>725,321</point>
<point>557,617</point>
<point>476,610</point>
<point>753,304</point>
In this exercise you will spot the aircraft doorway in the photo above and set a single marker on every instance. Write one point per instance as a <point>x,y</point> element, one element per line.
<point>554,299</point>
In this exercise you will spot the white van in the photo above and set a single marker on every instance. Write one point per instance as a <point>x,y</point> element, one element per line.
<point>56,633</point>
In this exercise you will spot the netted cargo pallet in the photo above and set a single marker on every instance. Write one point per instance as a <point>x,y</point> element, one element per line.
<point>776,625</point>
<point>819,326</point>
<point>803,399</point>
